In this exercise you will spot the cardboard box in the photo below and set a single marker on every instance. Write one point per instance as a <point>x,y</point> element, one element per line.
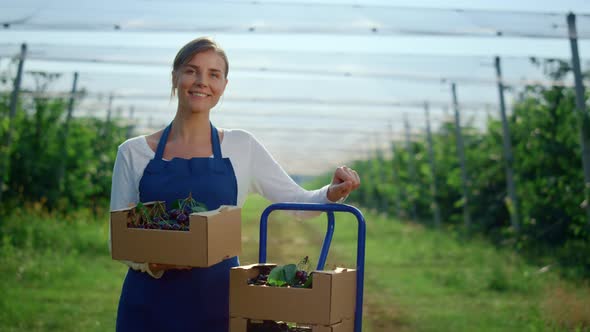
<point>212,237</point>
<point>238,324</point>
<point>330,300</point>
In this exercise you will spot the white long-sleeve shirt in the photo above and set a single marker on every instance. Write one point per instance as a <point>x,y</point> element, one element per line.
<point>255,169</point>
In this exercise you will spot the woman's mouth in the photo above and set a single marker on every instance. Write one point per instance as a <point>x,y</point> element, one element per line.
<point>197,94</point>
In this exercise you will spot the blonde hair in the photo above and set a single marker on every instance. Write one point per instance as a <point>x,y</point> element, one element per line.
<point>195,46</point>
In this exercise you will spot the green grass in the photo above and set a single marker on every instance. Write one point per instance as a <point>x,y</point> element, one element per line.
<point>56,275</point>
<point>418,279</point>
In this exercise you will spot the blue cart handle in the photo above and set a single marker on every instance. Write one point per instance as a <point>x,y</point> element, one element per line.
<point>329,209</point>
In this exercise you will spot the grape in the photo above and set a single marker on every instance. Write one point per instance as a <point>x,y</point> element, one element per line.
<point>159,218</point>
<point>303,276</point>
<point>174,213</point>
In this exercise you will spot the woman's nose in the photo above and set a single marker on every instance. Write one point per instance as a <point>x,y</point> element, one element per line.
<point>200,79</point>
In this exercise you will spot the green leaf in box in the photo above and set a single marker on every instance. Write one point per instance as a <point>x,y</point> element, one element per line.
<point>282,275</point>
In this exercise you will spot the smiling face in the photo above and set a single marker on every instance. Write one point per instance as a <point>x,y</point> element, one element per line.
<point>200,82</point>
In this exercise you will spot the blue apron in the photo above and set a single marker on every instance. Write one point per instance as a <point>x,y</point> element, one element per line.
<point>182,300</point>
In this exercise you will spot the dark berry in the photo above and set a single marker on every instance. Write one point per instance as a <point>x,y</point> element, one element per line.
<point>298,274</point>
<point>174,213</point>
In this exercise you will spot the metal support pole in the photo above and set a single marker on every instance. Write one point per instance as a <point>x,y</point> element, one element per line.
<point>394,177</point>
<point>12,113</point>
<point>65,132</point>
<point>110,109</point>
<point>17,81</point>
<point>411,167</point>
<point>433,185</point>
<point>107,124</point>
<point>72,100</point>
<point>581,106</point>
<point>508,159</point>
<point>101,145</point>
<point>368,191</point>
<point>461,154</point>
<point>382,199</point>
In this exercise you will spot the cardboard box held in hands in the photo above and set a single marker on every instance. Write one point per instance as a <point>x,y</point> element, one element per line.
<point>328,306</point>
<point>212,237</point>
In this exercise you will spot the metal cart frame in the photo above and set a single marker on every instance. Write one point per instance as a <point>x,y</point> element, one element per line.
<point>329,209</point>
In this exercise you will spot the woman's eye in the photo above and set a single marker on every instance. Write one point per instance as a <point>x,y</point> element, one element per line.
<point>215,75</point>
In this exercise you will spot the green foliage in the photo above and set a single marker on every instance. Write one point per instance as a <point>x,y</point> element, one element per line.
<point>547,166</point>
<point>42,164</point>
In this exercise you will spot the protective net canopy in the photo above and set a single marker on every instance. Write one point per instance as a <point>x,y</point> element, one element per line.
<point>284,17</point>
<point>290,98</point>
<point>296,75</point>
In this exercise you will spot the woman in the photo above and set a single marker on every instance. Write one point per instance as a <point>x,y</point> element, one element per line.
<point>218,167</point>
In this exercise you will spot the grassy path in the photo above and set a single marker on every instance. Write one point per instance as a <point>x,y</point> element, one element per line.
<point>418,279</point>
<point>58,276</point>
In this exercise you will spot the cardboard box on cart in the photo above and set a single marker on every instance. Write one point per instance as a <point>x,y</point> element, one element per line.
<point>212,236</point>
<point>330,301</point>
<point>241,325</point>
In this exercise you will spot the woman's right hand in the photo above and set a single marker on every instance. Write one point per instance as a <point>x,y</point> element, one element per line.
<point>155,268</point>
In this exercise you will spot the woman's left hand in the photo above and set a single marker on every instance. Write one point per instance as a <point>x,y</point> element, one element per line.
<point>345,180</point>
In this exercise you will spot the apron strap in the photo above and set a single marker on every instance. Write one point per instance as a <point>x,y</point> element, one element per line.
<point>214,142</point>
<point>162,143</point>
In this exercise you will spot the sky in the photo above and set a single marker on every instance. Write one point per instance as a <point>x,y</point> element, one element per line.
<point>319,83</point>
